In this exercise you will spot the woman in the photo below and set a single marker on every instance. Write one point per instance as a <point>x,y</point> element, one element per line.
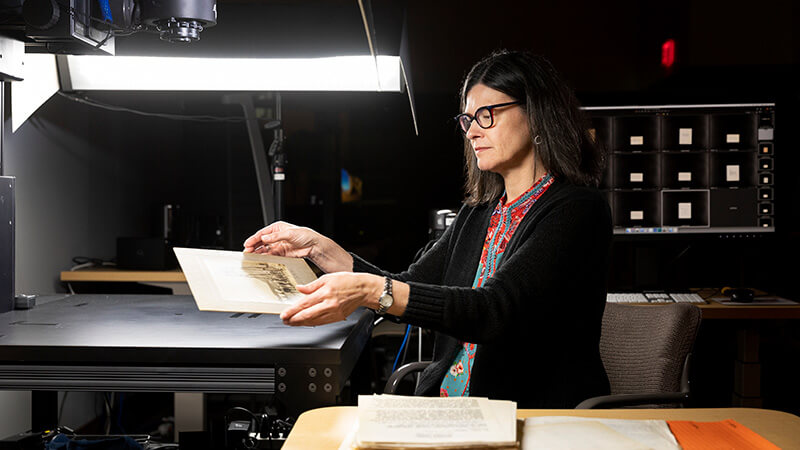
<point>515,288</point>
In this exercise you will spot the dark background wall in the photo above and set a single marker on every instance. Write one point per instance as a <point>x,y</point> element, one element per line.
<point>127,166</point>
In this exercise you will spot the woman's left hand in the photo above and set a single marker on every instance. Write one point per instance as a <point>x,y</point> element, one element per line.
<point>332,297</point>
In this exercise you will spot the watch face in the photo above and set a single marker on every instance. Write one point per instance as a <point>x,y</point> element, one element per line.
<point>386,300</point>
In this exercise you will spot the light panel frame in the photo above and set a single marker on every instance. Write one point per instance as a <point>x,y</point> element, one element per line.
<point>147,73</point>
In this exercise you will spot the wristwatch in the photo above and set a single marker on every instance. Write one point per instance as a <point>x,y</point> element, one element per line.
<point>386,299</point>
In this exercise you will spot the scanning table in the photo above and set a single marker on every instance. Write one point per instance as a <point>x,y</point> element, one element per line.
<point>164,343</point>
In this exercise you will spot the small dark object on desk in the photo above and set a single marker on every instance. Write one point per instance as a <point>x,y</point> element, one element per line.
<point>24,301</point>
<point>741,295</point>
<point>22,441</point>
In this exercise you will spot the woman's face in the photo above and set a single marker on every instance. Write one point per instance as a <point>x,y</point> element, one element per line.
<point>506,146</point>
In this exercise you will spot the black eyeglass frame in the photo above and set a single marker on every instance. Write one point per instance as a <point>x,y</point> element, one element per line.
<point>474,118</point>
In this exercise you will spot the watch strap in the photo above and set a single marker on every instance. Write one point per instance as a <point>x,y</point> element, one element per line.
<point>387,290</point>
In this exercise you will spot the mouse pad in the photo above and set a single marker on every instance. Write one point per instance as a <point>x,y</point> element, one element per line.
<point>763,300</point>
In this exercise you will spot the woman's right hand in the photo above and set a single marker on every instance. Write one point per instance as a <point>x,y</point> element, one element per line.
<point>285,239</point>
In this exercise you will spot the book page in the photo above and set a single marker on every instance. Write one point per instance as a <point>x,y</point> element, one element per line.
<point>387,421</point>
<point>242,282</point>
<point>501,410</point>
<point>566,432</point>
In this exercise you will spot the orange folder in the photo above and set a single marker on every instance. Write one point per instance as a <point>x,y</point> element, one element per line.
<point>725,434</point>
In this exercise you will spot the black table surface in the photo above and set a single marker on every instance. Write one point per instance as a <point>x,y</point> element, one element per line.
<point>159,329</point>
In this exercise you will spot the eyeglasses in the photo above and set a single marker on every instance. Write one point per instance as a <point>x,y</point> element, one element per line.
<point>483,115</point>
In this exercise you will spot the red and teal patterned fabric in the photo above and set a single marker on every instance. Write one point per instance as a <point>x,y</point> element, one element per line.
<point>503,223</point>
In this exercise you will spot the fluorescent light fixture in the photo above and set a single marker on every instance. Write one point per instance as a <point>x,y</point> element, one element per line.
<point>139,73</point>
<point>40,82</point>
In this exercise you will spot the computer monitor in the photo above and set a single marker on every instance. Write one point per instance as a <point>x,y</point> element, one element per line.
<point>688,169</point>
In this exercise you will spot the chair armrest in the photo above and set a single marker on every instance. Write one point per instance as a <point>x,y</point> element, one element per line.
<point>687,363</point>
<point>399,374</point>
<point>618,400</point>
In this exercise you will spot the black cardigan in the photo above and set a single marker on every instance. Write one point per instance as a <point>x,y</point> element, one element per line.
<point>537,320</point>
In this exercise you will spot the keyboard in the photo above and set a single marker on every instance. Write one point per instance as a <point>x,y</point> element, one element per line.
<point>653,297</point>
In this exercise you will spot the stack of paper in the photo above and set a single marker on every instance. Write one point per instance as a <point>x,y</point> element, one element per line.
<point>388,421</point>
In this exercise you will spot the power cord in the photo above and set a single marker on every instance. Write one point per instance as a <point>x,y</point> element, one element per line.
<point>197,118</point>
<point>82,262</point>
<point>401,349</point>
<point>61,408</point>
<point>108,399</point>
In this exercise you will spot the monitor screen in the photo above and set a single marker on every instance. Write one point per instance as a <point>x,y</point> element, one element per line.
<point>680,169</point>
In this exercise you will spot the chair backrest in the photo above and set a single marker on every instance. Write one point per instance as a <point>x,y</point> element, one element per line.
<point>644,347</point>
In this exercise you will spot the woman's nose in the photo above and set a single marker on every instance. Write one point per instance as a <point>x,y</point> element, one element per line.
<point>474,130</point>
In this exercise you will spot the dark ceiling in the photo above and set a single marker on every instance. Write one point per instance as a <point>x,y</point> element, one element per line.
<point>600,46</point>
<point>608,46</point>
<point>611,46</point>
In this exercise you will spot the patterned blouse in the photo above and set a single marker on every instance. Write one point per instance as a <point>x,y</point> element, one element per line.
<point>504,221</point>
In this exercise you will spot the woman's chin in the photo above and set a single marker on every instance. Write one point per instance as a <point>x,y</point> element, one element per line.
<point>484,165</point>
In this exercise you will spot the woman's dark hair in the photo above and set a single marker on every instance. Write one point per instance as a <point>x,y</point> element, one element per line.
<point>567,151</point>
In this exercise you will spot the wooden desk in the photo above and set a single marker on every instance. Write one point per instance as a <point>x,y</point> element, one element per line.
<point>714,310</point>
<point>325,428</point>
<point>172,279</point>
<point>747,362</point>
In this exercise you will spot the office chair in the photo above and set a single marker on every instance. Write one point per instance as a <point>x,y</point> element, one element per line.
<point>646,352</point>
<point>397,376</point>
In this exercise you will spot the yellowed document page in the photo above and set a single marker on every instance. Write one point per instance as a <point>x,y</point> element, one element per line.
<point>242,282</point>
<point>386,421</point>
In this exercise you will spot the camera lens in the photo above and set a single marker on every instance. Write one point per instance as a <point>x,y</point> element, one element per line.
<point>179,20</point>
<point>174,30</point>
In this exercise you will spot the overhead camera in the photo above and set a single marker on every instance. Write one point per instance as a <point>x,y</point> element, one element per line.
<point>179,21</point>
<point>90,26</point>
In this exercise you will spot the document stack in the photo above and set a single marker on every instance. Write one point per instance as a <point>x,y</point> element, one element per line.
<point>390,422</point>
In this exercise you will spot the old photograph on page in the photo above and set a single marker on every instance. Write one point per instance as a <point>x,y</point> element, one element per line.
<point>242,282</point>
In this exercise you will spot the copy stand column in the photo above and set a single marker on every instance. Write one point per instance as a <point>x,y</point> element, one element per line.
<point>264,175</point>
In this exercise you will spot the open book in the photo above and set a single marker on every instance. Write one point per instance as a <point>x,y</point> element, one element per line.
<point>389,421</point>
<point>243,282</point>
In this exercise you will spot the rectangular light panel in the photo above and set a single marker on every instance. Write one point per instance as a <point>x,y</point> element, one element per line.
<point>140,73</point>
